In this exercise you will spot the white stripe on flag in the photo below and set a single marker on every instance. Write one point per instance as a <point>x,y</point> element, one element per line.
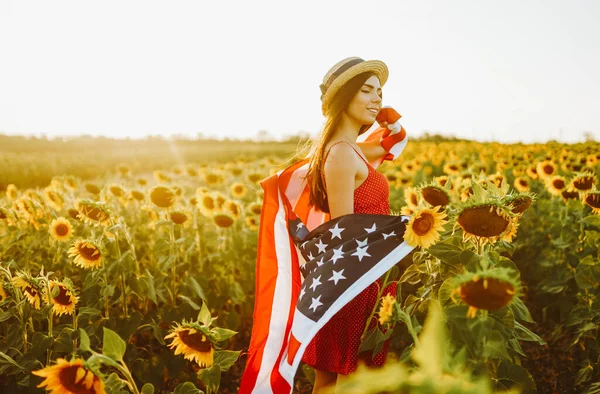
<point>281,303</point>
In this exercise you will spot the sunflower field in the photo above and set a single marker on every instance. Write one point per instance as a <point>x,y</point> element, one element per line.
<point>130,267</point>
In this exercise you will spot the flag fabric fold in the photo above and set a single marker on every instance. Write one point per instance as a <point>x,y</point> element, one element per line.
<point>307,269</point>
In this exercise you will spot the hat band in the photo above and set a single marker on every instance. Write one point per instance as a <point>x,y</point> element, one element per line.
<point>340,71</point>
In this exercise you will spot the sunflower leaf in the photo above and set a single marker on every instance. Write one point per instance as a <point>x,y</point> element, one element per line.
<point>189,301</point>
<point>112,345</point>
<point>204,315</point>
<point>211,377</point>
<point>84,341</point>
<point>591,220</point>
<point>223,333</point>
<point>187,388</point>
<point>226,358</point>
<point>147,388</point>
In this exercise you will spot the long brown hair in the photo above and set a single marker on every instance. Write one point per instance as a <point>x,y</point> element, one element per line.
<point>339,103</point>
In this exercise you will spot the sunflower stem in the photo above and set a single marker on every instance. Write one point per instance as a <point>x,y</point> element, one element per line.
<point>379,292</point>
<point>124,295</point>
<point>106,296</point>
<point>173,262</point>
<point>50,328</point>
<point>75,329</point>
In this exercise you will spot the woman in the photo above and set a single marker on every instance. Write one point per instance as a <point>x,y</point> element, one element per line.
<point>342,182</point>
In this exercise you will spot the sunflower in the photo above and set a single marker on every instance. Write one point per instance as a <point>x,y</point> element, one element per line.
<point>583,181</point>
<point>190,340</point>
<point>521,184</point>
<point>223,219</point>
<point>70,377</point>
<point>180,217</point>
<point>252,222</point>
<point>255,208</point>
<point>406,211</point>
<point>206,204</point>
<point>435,195</point>
<point>3,294</point>
<point>116,190</point>
<point>233,208</point>
<point>8,215</point>
<point>512,230</point>
<point>520,202</point>
<point>86,254</point>
<point>30,288</point>
<point>64,298</point>
<point>238,190</point>
<point>142,182</point>
<point>387,308</point>
<point>54,198</point>
<point>451,169</point>
<point>532,172</point>
<point>555,184</point>
<point>488,290</point>
<point>191,171</point>
<point>592,200</point>
<point>219,199</point>
<point>136,195</point>
<point>408,168</point>
<point>213,178</point>
<point>162,197</point>
<point>412,197</point>
<point>12,192</point>
<point>123,170</point>
<point>161,177</point>
<point>569,194</point>
<point>92,188</point>
<point>424,227</point>
<point>496,178</point>
<point>94,213</point>
<point>483,221</point>
<point>61,229</point>
<point>546,168</point>
<point>254,177</point>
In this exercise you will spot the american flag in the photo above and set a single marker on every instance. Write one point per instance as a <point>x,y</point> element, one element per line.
<point>308,267</point>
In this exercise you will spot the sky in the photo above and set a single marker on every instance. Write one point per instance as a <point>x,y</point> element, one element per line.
<point>508,71</point>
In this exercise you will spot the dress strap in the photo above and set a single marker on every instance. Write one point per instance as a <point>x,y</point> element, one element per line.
<point>327,153</point>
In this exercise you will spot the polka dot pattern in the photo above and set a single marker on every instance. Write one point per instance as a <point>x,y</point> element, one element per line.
<point>335,347</point>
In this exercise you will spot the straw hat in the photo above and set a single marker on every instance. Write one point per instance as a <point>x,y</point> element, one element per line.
<point>345,70</point>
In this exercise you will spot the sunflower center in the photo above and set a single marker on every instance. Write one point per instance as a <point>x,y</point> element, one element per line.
<point>423,224</point>
<point>520,204</point>
<point>584,183</point>
<point>178,217</point>
<point>223,220</point>
<point>208,202</point>
<point>68,376</point>
<point>480,222</point>
<point>63,298</point>
<point>558,184</point>
<point>413,199</point>
<point>593,200</point>
<point>523,182</point>
<point>238,189</point>
<point>487,293</point>
<point>435,196</point>
<point>548,169</point>
<point>88,252</point>
<point>162,197</point>
<point>94,213</point>
<point>61,229</point>
<point>195,341</point>
<point>31,291</point>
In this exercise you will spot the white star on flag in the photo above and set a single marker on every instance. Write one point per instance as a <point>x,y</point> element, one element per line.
<point>321,246</point>
<point>315,303</point>
<point>299,226</point>
<point>316,282</point>
<point>303,244</point>
<point>337,276</point>
<point>362,243</point>
<point>361,252</point>
<point>336,232</point>
<point>370,230</point>
<point>337,254</point>
<point>385,236</point>
<point>310,256</point>
<point>320,262</point>
<point>302,292</point>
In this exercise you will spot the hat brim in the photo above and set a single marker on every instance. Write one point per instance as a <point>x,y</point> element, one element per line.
<point>377,67</point>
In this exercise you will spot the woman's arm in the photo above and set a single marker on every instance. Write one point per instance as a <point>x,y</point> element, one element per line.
<point>340,171</point>
<point>372,150</point>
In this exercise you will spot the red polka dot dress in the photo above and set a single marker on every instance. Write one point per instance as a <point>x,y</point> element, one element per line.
<point>335,347</point>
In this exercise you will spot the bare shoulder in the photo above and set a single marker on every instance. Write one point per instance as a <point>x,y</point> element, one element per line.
<point>341,158</point>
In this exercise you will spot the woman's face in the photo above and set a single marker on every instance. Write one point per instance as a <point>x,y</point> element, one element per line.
<point>366,103</point>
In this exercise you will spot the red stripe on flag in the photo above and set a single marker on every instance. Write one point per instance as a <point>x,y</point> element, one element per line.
<point>266,277</point>
<point>293,349</point>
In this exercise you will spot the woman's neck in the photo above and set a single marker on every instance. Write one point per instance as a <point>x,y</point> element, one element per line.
<point>347,130</point>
